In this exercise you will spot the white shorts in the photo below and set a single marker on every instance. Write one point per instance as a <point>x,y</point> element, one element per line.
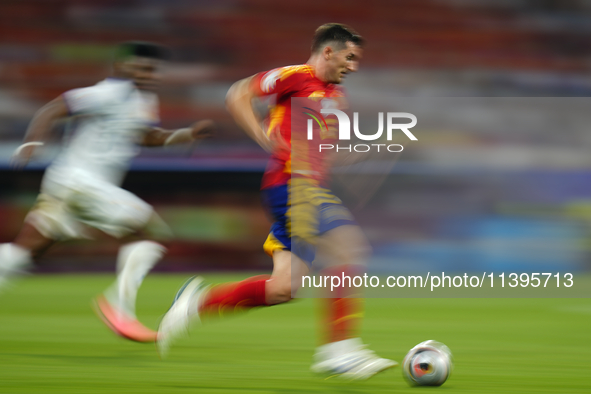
<point>63,210</point>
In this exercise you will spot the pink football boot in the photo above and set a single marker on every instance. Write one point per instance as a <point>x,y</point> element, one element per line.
<point>122,324</point>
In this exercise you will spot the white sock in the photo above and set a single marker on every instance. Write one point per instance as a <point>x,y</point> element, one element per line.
<point>14,260</point>
<point>134,262</point>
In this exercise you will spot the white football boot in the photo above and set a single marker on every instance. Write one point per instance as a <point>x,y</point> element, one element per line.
<point>184,310</point>
<point>350,360</point>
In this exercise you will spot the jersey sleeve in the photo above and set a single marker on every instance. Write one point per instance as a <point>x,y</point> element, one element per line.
<point>84,100</point>
<point>280,81</point>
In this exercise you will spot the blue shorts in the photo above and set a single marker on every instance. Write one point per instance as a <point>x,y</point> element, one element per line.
<point>302,211</point>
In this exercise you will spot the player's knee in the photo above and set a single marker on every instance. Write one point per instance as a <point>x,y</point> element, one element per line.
<point>356,253</point>
<point>130,218</point>
<point>345,245</point>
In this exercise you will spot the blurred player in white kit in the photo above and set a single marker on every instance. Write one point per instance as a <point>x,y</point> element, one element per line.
<point>82,186</point>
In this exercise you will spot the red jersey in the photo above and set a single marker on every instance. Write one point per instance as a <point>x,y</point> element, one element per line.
<point>287,83</point>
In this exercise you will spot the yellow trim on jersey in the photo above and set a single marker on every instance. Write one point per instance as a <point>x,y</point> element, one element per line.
<point>317,94</point>
<point>275,118</point>
<point>290,70</point>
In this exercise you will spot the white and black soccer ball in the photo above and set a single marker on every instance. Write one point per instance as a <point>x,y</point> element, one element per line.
<point>428,364</point>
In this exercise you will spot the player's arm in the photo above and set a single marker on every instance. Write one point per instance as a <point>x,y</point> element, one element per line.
<point>40,126</point>
<point>161,137</point>
<point>239,104</point>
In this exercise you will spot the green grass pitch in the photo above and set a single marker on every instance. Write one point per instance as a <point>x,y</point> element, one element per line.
<point>51,342</point>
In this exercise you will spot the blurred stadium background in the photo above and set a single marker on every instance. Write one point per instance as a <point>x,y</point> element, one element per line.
<point>500,183</point>
<point>468,197</point>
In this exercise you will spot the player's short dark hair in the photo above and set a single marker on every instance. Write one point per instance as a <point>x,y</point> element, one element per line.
<point>335,32</point>
<point>141,49</point>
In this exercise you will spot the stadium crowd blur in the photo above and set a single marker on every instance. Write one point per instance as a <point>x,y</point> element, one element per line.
<point>474,193</point>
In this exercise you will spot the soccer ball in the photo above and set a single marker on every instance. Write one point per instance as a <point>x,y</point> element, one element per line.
<point>427,364</point>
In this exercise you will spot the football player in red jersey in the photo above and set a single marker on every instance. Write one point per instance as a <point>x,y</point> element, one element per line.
<point>308,217</point>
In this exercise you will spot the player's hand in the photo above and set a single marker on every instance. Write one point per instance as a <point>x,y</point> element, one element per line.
<point>23,154</point>
<point>202,129</point>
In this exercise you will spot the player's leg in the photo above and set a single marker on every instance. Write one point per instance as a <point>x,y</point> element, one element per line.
<point>30,243</point>
<point>117,305</point>
<point>263,290</point>
<point>135,259</point>
<point>33,240</point>
<point>259,290</point>
<point>345,250</point>
<point>16,257</point>
<point>286,279</point>
<point>196,301</point>
<point>322,227</point>
<point>132,219</point>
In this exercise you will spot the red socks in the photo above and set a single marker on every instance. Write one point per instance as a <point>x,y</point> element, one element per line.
<point>342,318</point>
<point>235,296</point>
<point>342,315</point>
<point>344,312</point>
